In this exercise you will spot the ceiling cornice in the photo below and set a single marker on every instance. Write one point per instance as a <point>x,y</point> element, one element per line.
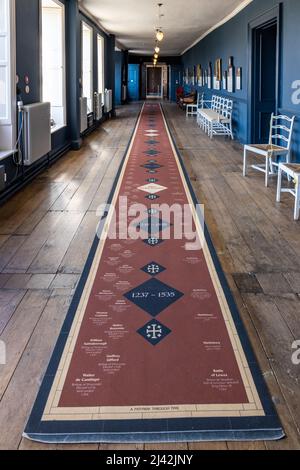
<point>227,18</point>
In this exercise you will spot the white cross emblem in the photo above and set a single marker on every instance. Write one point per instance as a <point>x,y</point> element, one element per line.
<point>153,241</point>
<point>154,331</point>
<point>153,269</point>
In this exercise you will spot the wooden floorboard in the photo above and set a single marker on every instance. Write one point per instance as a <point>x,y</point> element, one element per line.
<point>46,231</point>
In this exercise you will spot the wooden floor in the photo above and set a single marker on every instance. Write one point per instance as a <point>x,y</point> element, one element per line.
<point>46,231</point>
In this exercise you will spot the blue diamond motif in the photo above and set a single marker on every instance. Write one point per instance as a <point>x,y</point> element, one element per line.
<point>154,332</point>
<point>152,180</point>
<point>152,153</point>
<point>153,296</point>
<point>151,166</point>
<point>152,197</point>
<point>151,142</point>
<point>153,269</point>
<point>153,225</point>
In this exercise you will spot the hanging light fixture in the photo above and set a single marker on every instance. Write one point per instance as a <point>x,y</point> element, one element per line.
<point>155,56</point>
<point>159,35</point>
<point>159,32</point>
<point>157,49</point>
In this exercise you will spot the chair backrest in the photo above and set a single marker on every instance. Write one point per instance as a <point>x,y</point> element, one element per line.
<point>200,100</point>
<point>281,130</point>
<point>215,102</point>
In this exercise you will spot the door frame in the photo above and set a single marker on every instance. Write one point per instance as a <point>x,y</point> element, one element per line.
<point>162,83</point>
<point>272,15</point>
<point>137,66</point>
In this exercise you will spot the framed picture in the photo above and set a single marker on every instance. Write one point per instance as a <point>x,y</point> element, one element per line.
<point>239,78</point>
<point>230,76</point>
<point>218,74</point>
<point>209,77</point>
<point>186,76</point>
<point>199,76</point>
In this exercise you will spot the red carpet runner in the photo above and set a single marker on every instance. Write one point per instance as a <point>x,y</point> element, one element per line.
<point>153,348</point>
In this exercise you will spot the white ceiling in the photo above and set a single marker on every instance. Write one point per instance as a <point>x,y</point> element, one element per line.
<point>185,21</point>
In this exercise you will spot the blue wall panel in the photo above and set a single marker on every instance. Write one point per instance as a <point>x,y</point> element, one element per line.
<point>118,77</point>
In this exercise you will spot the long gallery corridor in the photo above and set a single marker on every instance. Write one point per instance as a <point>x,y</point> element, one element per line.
<point>149,229</point>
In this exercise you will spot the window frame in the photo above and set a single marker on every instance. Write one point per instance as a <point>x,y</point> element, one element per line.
<point>101,72</point>
<point>64,74</point>
<point>90,28</point>
<point>8,124</point>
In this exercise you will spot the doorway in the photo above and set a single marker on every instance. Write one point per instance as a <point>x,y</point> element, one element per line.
<point>264,77</point>
<point>154,86</point>
<point>133,82</point>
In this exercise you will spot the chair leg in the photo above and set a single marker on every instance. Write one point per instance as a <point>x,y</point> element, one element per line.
<point>297,203</point>
<point>267,172</point>
<point>279,185</point>
<point>245,163</point>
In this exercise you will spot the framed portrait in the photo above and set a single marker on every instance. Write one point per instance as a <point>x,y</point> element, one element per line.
<point>218,74</point>
<point>209,77</point>
<point>225,80</point>
<point>230,76</point>
<point>239,78</point>
<point>199,76</point>
<point>186,77</point>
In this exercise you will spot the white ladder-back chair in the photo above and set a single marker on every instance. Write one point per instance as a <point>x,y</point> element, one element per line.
<point>280,141</point>
<point>292,170</point>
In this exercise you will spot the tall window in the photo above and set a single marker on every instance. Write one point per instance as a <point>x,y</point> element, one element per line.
<point>53,60</point>
<point>4,62</point>
<point>7,75</point>
<point>87,65</point>
<point>100,46</point>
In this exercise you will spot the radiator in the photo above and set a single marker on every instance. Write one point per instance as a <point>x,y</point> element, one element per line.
<point>108,101</point>
<point>83,115</point>
<point>98,106</point>
<point>124,93</point>
<point>36,132</point>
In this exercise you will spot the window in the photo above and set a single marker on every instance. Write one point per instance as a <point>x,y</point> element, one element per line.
<point>100,45</point>
<point>4,62</point>
<point>87,65</point>
<point>53,60</point>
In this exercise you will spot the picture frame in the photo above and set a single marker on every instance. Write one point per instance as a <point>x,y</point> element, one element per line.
<point>186,77</point>
<point>230,76</point>
<point>199,76</point>
<point>239,78</point>
<point>209,77</point>
<point>225,77</point>
<point>218,74</point>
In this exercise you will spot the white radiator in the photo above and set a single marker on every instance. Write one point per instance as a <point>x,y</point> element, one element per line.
<point>36,132</point>
<point>108,101</point>
<point>98,106</point>
<point>124,93</point>
<point>83,115</point>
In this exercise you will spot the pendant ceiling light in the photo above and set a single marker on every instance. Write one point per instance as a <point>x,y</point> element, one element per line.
<point>157,50</point>
<point>159,35</point>
<point>155,56</point>
<point>159,32</point>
